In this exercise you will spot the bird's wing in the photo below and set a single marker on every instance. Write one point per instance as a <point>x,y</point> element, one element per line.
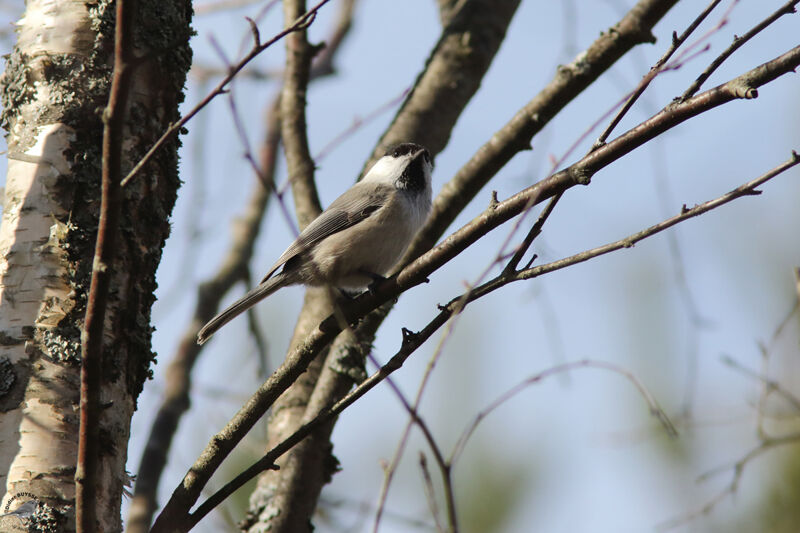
<point>346,211</point>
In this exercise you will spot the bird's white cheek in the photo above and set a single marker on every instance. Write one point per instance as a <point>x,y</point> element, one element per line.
<point>385,171</point>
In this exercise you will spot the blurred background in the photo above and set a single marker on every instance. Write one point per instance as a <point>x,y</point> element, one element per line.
<point>700,315</point>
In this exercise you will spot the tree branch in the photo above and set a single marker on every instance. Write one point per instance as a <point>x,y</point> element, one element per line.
<point>293,118</point>
<point>744,86</point>
<point>747,189</point>
<point>309,465</point>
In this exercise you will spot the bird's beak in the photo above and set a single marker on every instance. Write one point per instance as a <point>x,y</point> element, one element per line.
<point>419,155</point>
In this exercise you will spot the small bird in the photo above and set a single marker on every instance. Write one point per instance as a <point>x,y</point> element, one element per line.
<point>358,239</point>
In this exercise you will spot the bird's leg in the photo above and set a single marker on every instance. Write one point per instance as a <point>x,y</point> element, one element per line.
<point>376,280</point>
<point>347,295</point>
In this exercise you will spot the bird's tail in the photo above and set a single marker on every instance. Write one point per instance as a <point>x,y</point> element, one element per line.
<point>258,293</point>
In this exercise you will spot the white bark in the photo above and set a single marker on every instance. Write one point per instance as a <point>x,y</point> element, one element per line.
<point>33,294</point>
<point>39,423</point>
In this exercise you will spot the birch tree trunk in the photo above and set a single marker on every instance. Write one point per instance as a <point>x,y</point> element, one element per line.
<point>54,91</point>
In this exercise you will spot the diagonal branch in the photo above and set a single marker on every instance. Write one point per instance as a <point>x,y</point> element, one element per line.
<point>747,189</point>
<point>275,489</point>
<point>424,102</point>
<point>294,489</point>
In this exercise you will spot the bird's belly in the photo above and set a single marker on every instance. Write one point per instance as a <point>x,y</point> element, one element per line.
<point>351,259</point>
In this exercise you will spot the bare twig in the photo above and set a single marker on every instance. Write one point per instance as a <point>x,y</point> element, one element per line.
<point>444,466</point>
<point>390,469</point>
<point>102,269</point>
<point>358,122</point>
<point>534,232</point>
<point>655,409</point>
<point>412,410</point>
<point>785,9</point>
<point>430,492</point>
<point>677,41</point>
<point>738,470</point>
<point>302,22</point>
<point>770,385</point>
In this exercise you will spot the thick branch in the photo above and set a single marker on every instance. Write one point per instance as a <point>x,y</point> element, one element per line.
<point>293,118</point>
<point>279,489</point>
<point>451,76</point>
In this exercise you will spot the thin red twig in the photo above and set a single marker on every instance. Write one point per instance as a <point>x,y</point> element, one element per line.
<point>92,343</point>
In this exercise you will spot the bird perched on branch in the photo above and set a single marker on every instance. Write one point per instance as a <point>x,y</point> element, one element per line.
<point>358,239</point>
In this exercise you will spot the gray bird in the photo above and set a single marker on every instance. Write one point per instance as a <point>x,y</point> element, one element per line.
<point>358,239</point>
